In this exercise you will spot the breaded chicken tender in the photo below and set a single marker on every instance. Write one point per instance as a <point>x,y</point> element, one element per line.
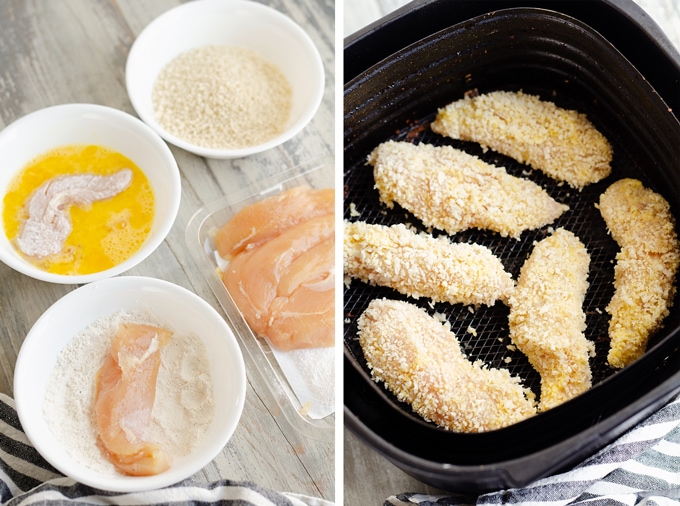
<point>419,265</point>
<point>641,223</point>
<point>547,321</point>
<point>451,190</point>
<point>420,361</point>
<point>562,143</point>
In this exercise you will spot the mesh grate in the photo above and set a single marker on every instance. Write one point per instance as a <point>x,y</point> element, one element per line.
<point>490,338</point>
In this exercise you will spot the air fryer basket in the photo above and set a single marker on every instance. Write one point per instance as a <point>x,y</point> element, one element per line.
<point>622,22</point>
<point>563,60</point>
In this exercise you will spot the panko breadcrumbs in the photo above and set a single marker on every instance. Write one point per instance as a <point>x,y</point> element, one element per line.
<point>641,223</point>
<point>451,190</point>
<point>420,265</point>
<point>547,321</point>
<point>562,143</point>
<point>419,359</point>
<point>222,97</point>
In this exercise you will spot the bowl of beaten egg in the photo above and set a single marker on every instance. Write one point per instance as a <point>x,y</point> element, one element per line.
<point>225,78</point>
<point>88,192</point>
<point>64,401</point>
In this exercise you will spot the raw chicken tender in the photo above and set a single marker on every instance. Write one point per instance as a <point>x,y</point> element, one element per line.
<point>419,359</point>
<point>451,190</point>
<point>303,313</point>
<point>257,223</point>
<point>563,144</point>
<point>641,223</point>
<point>284,282</point>
<point>124,397</point>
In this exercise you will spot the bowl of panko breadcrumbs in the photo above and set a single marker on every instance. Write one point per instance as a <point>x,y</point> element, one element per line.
<point>225,78</point>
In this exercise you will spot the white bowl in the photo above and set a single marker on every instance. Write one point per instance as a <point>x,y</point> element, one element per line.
<point>227,22</point>
<point>181,310</point>
<point>52,127</point>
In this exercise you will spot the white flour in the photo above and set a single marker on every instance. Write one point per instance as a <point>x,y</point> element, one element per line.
<point>184,406</point>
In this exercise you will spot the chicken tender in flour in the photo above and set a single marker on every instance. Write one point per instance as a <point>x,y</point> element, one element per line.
<point>420,361</point>
<point>419,265</point>
<point>563,144</point>
<point>451,190</point>
<point>547,320</point>
<point>641,223</point>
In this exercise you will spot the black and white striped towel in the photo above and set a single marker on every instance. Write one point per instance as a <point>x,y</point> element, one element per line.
<point>642,467</point>
<point>27,479</point>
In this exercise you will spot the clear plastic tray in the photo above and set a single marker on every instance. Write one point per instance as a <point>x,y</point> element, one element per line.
<point>264,365</point>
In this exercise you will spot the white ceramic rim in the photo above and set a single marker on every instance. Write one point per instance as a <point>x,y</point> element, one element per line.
<point>164,223</point>
<point>147,36</point>
<point>36,428</point>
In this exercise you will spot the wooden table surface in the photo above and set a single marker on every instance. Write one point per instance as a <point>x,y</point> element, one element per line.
<point>369,479</point>
<point>54,52</point>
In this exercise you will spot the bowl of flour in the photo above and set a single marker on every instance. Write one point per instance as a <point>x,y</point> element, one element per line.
<point>225,78</point>
<point>200,388</point>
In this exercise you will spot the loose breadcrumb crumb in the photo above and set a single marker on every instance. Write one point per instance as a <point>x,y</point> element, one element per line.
<point>421,362</point>
<point>562,143</point>
<point>547,321</point>
<point>419,265</point>
<point>451,190</point>
<point>641,223</point>
<point>440,317</point>
<point>353,210</point>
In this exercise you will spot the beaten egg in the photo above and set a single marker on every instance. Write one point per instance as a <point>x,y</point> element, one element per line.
<point>104,233</point>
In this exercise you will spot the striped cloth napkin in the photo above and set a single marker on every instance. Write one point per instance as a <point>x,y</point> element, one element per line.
<point>642,467</point>
<point>26,478</point>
